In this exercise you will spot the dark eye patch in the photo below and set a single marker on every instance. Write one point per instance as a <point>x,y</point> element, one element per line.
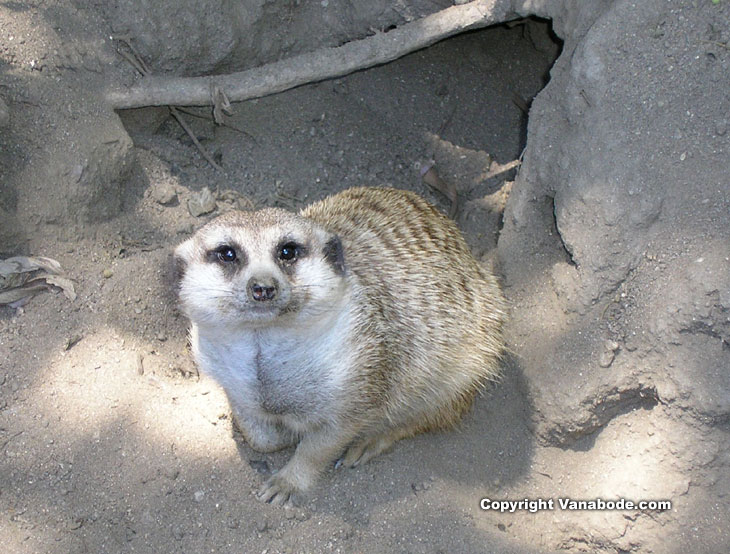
<point>289,252</point>
<point>227,255</point>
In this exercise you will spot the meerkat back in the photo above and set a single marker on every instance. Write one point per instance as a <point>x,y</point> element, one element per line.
<point>441,313</point>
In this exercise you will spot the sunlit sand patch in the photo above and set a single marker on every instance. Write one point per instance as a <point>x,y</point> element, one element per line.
<point>97,384</point>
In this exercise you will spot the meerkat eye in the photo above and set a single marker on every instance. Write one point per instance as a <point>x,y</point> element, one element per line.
<point>288,252</point>
<point>226,254</point>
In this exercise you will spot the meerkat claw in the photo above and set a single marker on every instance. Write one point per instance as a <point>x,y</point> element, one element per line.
<point>277,493</point>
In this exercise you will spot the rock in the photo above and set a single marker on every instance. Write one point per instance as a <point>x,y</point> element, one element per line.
<point>606,358</point>
<point>184,228</point>
<point>164,194</point>
<point>721,127</point>
<point>81,159</point>
<point>201,203</point>
<point>262,525</point>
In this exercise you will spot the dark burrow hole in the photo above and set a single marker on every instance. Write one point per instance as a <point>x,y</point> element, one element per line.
<point>556,232</point>
<point>462,104</point>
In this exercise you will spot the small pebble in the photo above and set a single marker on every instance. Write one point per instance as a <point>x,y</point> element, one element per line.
<point>606,358</point>
<point>340,87</point>
<point>171,473</point>
<point>262,525</point>
<point>71,342</point>
<point>201,203</point>
<point>198,496</point>
<point>164,194</point>
<point>423,486</point>
<point>107,273</point>
<point>184,228</point>
<point>721,127</point>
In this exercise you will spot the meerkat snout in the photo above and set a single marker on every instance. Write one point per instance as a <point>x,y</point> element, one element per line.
<point>262,289</point>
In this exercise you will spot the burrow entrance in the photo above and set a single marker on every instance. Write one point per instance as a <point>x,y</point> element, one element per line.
<point>461,105</point>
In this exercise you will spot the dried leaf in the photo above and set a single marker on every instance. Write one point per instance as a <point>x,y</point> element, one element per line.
<point>221,105</point>
<point>18,293</point>
<point>25,264</point>
<point>23,276</point>
<point>13,280</point>
<point>64,284</point>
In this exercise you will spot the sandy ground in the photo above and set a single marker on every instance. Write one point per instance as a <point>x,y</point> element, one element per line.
<point>113,442</point>
<point>110,440</point>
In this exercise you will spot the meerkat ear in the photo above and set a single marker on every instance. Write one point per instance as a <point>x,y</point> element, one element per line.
<point>334,254</point>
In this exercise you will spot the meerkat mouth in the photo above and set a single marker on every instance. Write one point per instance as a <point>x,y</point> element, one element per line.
<point>262,314</point>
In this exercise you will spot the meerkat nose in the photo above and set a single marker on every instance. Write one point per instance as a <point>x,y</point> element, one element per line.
<point>262,289</point>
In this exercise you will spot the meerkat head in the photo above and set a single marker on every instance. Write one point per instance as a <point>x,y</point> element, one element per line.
<point>254,269</point>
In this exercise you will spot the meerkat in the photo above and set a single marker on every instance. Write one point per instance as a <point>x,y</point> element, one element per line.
<point>362,320</point>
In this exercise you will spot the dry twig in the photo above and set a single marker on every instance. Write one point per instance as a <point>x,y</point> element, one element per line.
<point>179,118</point>
<point>139,64</point>
<point>497,169</point>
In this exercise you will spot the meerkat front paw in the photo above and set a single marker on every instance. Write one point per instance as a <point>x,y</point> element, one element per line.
<point>278,490</point>
<point>289,485</point>
<point>300,474</point>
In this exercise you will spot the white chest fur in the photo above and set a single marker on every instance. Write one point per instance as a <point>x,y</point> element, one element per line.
<point>280,372</point>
